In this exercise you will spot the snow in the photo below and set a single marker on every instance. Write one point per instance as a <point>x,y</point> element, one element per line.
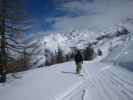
<point>40,84</point>
<point>108,77</point>
<point>101,81</point>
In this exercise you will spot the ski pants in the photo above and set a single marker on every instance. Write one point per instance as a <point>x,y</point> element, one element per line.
<point>78,67</point>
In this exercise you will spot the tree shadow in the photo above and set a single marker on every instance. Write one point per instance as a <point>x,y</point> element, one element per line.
<point>68,72</point>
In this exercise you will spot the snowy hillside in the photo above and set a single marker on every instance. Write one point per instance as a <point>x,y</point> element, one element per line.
<point>101,81</point>
<point>80,40</point>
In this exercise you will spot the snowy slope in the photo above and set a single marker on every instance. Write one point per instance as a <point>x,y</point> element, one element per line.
<point>41,84</point>
<point>100,82</point>
<point>122,54</point>
<point>70,40</point>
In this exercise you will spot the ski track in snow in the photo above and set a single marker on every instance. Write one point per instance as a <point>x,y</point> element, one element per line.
<point>109,83</point>
<point>100,81</point>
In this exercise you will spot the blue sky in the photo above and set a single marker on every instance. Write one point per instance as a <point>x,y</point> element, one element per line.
<point>42,10</point>
<point>67,15</point>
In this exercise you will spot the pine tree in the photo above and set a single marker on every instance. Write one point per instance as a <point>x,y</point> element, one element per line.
<point>25,59</point>
<point>88,53</point>
<point>13,20</point>
<point>48,57</point>
<point>22,62</point>
<point>59,55</point>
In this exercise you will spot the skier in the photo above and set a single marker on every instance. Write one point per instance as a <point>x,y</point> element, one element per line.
<point>78,61</point>
<point>99,52</point>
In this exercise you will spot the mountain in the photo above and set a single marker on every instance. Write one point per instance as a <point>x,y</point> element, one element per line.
<point>76,39</point>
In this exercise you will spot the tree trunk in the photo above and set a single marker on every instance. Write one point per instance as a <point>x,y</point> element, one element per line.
<point>3,54</point>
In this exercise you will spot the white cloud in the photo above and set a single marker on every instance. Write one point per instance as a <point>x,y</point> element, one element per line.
<point>101,15</point>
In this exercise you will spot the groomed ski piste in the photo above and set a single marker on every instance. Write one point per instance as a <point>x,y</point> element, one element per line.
<point>103,79</point>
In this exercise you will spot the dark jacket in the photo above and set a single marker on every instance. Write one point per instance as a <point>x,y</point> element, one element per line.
<point>78,57</point>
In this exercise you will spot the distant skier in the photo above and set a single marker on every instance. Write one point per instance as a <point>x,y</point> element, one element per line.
<point>78,61</point>
<point>99,52</point>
